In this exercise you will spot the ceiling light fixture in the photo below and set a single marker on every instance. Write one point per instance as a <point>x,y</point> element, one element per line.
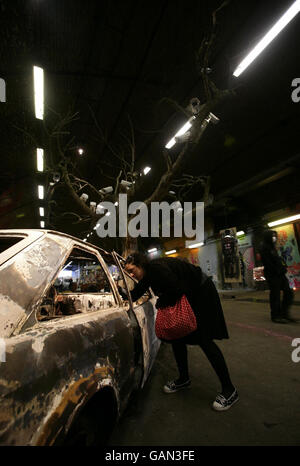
<point>182,131</point>
<point>265,41</point>
<point>42,212</point>
<point>42,223</point>
<point>38,78</point>
<point>284,220</point>
<point>240,233</point>
<point>170,252</point>
<point>2,90</point>
<point>40,160</point>
<point>146,170</point>
<point>41,191</point>
<point>195,245</point>
<point>152,250</point>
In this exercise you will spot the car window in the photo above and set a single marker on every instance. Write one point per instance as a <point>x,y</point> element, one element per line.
<point>131,282</point>
<point>82,273</point>
<point>81,286</point>
<point>116,274</point>
<point>7,242</point>
<point>113,268</point>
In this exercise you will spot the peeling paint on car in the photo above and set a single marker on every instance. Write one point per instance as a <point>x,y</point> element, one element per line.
<point>10,312</point>
<point>76,395</point>
<point>38,345</point>
<point>54,367</point>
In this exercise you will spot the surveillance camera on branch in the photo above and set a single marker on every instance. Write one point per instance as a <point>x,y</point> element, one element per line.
<point>84,197</point>
<point>213,118</point>
<point>93,206</point>
<point>56,177</point>
<point>194,106</point>
<point>126,184</point>
<point>107,190</point>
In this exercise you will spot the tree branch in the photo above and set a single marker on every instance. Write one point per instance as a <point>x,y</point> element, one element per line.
<point>175,105</point>
<point>94,190</point>
<point>189,148</point>
<point>79,218</point>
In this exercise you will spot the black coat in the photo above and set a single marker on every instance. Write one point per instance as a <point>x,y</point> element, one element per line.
<point>274,266</point>
<point>170,278</point>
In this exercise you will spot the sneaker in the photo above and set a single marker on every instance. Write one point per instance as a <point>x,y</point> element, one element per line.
<point>173,386</point>
<point>222,404</point>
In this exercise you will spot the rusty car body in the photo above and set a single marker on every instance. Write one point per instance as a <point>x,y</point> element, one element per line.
<point>67,352</point>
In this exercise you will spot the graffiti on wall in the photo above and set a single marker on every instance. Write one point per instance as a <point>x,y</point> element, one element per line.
<point>288,249</point>
<point>248,260</point>
<point>193,257</point>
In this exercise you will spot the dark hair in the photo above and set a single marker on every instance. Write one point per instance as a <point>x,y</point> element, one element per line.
<point>138,259</point>
<point>267,236</point>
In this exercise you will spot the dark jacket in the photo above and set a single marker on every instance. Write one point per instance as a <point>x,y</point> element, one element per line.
<point>274,266</point>
<point>170,278</point>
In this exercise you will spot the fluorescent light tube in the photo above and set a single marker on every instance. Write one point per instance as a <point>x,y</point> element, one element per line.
<point>284,220</point>
<point>42,223</point>
<point>42,211</point>
<point>265,41</point>
<point>2,90</point>
<point>170,252</point>
<point>40,160</point>
<point>182,130</point>
<point>240,233</point>
<point>196,245</point>
<point>152,250</point>
<point>38,76</point>
<point>41,192</point>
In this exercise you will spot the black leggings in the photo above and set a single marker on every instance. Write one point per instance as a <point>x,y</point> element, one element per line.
<point>213,354</point>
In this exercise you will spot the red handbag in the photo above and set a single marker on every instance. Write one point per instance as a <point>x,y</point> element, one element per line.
<point>176,321</point>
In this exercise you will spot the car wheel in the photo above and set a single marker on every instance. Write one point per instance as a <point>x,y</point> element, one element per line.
<point>93,425</point>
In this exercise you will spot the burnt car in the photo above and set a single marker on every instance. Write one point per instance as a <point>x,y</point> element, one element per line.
<point>73,349</point>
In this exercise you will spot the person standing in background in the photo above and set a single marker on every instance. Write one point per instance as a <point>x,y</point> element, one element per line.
<point>275,273</point>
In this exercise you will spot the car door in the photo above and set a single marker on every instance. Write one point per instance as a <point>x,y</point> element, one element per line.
<point>145,313</point>
<point>54,367</point>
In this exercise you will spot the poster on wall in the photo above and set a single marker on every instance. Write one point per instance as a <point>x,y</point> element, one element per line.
<point>288,249</point>
<point>246,253</point>
<point>230,256</point>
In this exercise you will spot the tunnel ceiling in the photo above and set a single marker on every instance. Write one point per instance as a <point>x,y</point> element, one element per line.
<point>116,62</point>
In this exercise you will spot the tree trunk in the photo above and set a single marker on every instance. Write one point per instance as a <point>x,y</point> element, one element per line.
<point>129,246</point>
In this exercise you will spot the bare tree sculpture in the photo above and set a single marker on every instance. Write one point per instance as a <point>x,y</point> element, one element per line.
<point>60,143</point>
